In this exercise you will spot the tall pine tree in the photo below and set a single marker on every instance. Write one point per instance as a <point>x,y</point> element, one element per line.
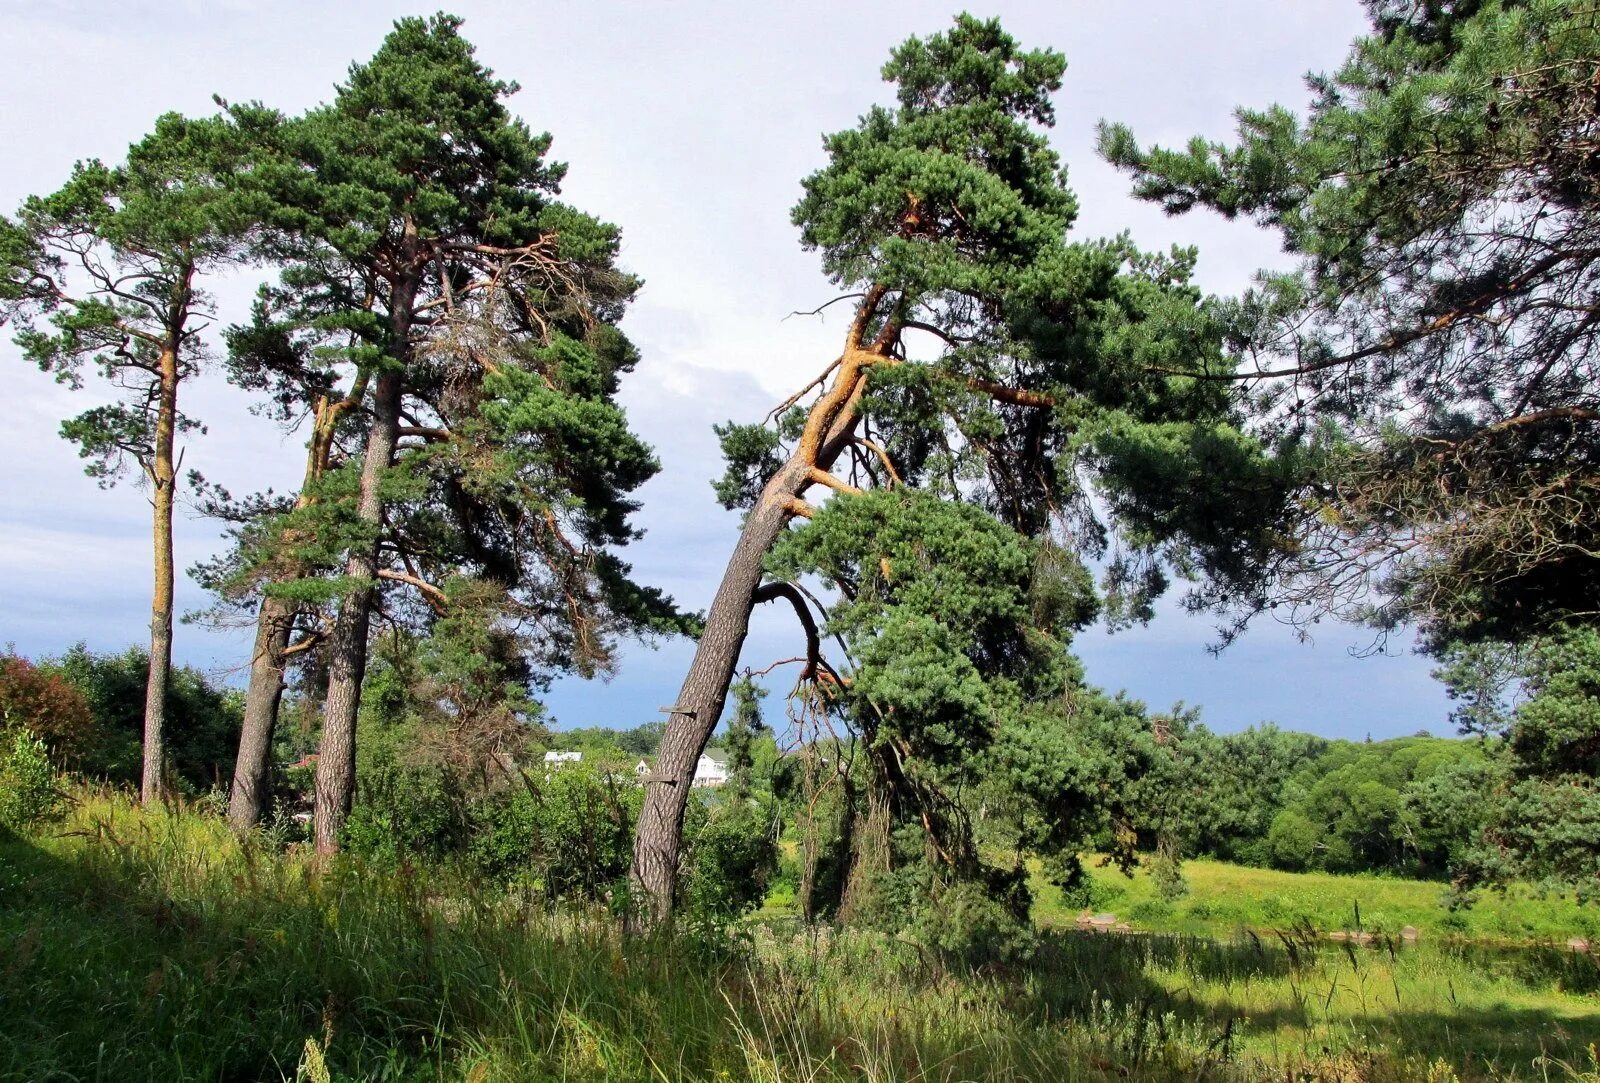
<point>992,377</point>
<point>424,242</point>
<point>108,272</point>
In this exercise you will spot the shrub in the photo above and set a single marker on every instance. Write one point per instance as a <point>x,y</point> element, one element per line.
<point>29,795</point>
<point>570,836</point>
<point>967,926</point>
<point>733,857</point>
<point>405,812</point>
<point>1293,840</point>
<point>48,707</point>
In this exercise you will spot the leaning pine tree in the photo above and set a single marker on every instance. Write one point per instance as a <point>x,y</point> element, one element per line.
<point>993,376</point>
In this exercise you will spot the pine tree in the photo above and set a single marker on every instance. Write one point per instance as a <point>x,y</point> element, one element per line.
<point>108,272</point>
<point>1437,345</point>
<point>992,376</point>
<point>424,245</point>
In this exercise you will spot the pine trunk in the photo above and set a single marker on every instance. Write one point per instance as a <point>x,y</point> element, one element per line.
<point>252,770</point>
<point>658,842</point>
<point>274,627</point>
<point>152,786</point>
<point>347,645</point>
<point>829,428</point>
<point>659,838</point>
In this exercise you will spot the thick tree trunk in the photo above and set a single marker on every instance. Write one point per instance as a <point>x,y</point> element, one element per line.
<point>830,425</point>
<point>252,770</point>
<point>153,782</point>
<point>347,645</point>
<point>659,837</point>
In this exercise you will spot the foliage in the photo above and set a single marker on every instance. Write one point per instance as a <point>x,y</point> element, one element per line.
<point>569,834</point>
<point>1437,342</point>
<point>622,747</point>
<point>1542,827</point>
<point>503,338</point>
<point>732,857</point>
<point>957,625</point>
<point>30,793</point>
<point>739,738</point>
<point>112,267</point>
<point>405,812</point>
<point>1232,786</point>
<point>48,707</point>
<point>202,720</point>
<point>1412,805</point>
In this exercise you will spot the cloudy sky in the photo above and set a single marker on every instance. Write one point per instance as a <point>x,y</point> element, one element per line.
<point>690,124</point>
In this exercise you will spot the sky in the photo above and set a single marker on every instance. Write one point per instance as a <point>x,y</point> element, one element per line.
<point>690,124</point>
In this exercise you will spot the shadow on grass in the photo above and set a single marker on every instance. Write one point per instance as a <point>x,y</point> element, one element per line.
<point>1310,987</point>
<point>157,949</point>
<point>140,958</point>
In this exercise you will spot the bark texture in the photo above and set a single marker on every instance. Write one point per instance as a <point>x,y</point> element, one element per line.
<point>347,645</point>
<point>152,785</point>
<point>252,768</point>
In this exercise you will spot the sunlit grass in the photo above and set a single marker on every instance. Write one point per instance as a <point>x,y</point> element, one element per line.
<point>155,946</point>
<point>1224,898</point>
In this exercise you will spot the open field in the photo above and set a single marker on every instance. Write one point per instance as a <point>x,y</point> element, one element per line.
<point>1224,898</point>
<point>154,947</point>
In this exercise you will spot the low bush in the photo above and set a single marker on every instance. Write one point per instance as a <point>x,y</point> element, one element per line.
<point>30,793</point>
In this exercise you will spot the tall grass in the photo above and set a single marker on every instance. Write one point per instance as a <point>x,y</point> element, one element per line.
<point>154,946</point>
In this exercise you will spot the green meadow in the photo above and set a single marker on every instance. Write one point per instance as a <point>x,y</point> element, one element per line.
<point>155,946</point>
<point>1225,899</point>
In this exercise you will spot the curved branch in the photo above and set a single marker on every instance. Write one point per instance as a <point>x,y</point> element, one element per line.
<point>883,457</point>
<point>813,642</point>
<point>819,309</point>
<point>1016,396</point>
<point>822,477</point>
<point>778,410</point>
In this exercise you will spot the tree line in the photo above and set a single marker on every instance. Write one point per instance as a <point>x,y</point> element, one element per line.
<point>1399,430</point>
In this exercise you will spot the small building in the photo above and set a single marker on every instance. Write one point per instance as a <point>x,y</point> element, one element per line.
<point>641,769</point>
<point>710,772</point>
<point>557,759</point>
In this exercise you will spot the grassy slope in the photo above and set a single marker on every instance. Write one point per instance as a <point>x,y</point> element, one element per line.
<point>140,946</point>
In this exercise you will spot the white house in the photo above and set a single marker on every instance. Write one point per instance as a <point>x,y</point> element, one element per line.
<point>710,772</point>
<point>556,759</point>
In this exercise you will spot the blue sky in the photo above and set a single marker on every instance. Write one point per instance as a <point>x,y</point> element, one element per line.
<point>690,124</point>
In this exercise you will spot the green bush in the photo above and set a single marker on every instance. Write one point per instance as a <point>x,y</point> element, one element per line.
<point>405,812</point>
<point>29,795</point>
<point>733,856</point>
<point>1293,840</point>
<point>571,836</point>
<point>967,926</point>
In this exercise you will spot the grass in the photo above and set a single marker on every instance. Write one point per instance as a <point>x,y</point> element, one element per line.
<point>154,946</point>
<point>1224,899</point>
